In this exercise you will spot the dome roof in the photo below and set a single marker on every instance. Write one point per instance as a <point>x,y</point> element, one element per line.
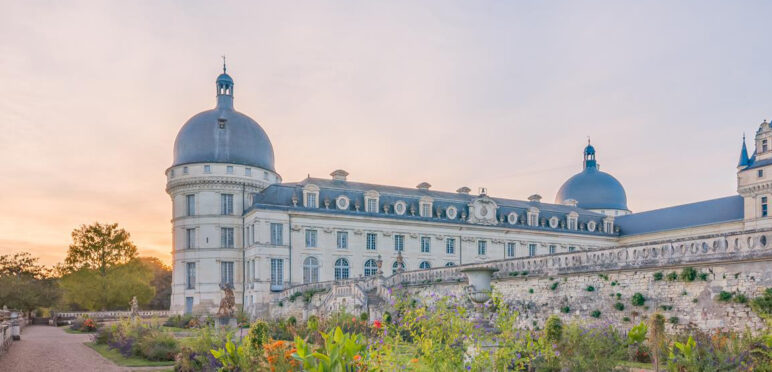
<point>593,189</point>
<point>223,135</point>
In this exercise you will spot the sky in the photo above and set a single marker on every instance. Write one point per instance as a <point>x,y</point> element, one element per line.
<point>495,94</point>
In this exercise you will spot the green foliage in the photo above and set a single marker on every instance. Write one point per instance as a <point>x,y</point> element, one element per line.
<point>586,349</point>
<point>673,320</point>
<point>614,283</point>
<point>619,306</point>
<point>89,289</point>
<point>666,307</point>
<point>671,277</point>
<point>530,290</point>
<point>595,314</point>
<point>161,283</point>
<point>25,284</point>
<point>524,273</point>
<point>159,346</point>
<point>724,296</point>
<point>514,273</point>
<point>603,276</point>
<point>590,288</point>
<point>553,329</point>
<point>626,319</point>
<point>688,274</point>
<point>179,321</point>
<point>619,296</point>
<point>232,357</point>
<point>339,353</point>
<point>99,247</point>
<point>703,276</point>
<point>762,305</point>
<point>740,298</point>
<point>364,316</point>
<point>554,286</point>
<point>565,309</point>
<point>637,334</point>
<point>684,293</point>
<point>637,299</point>
<point>683,356</point>
<point>658,276</point>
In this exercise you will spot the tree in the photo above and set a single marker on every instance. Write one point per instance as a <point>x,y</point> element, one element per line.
<point>162,282</point>
<point>90,290</point>
<point>99,247</point>
<point>24,284</point>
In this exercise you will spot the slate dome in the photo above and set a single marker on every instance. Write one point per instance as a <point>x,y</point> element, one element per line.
<point>223,135</point>
<point>593,189</point>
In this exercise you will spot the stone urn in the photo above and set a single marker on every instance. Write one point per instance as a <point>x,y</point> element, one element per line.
<point>479,289</point>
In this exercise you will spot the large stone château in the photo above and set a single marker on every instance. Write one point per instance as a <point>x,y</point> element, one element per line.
<point>235,223</point>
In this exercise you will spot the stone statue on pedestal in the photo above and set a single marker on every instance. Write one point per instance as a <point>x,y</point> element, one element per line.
<point>134,307</point>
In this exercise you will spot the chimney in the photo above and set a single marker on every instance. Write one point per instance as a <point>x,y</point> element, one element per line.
<point>464,190</point>
<point>535,198</point>
<point>423,186</point>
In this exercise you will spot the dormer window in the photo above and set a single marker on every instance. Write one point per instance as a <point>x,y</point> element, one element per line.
<point>425,207</point>
<point>573,219</point>
<point>311,196</point>
<point>533,216</point>
<point>229,169</point>
<point>608,225</point>
<point>764,146</point>
<point>207,168</point>
<point>371,201</point>
<point>760,173</point>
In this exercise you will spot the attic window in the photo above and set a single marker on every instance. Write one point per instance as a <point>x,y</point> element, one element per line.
<point>760,173</point>
<point>764,146</point>
<point>221,122</point>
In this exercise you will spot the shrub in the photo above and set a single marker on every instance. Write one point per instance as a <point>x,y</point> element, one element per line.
<point>673,276</point>
<point>614,283</point>
<point>740,298</point>
<point>688,274</point>
<point>179,321</point>
<point>364,316</point>
<point>762,305</point>
<point>666,307</point>
<point>158,346</point>
<point>637,299</point>
<point>619,295</point>
<point>684,293</point>
<point>553,329</point>
<point>514,273</point>
<point>703,276</point>
<point>603,276</point>
<point>525,273</point>
<point>673,320</point>
<point>695,300</point>
<point>554,286</point>
<point>619,306</point>
<point>658,276</point>
<point>565,309</point>
<point>590,288</point>
<point>724,296</point>
<point>626,319</point>
<point>595,314</point>
<point>530,290</point>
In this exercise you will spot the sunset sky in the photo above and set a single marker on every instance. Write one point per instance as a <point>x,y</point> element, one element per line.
<point>468,93</point>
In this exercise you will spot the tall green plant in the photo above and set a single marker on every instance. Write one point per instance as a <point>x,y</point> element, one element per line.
<point>341,352</point>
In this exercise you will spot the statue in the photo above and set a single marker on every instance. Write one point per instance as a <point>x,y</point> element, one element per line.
<point>227,303</point>
<point>379,263</point>
<point>134,307</point>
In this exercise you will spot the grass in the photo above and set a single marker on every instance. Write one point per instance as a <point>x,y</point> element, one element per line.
<point>640,365</point>
<point>74,332</point>
<point>175,329</point>
<point>116,357</point>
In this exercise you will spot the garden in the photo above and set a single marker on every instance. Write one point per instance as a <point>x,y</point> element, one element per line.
<point>439,333</point>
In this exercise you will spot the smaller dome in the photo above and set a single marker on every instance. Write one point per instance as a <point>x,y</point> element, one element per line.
<point>589,150</point>
<point>224,78</point>
<point>591,188</point>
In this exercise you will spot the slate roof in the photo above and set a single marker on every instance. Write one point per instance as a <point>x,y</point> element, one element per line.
<point>701,213</point>
<point>279,196</point>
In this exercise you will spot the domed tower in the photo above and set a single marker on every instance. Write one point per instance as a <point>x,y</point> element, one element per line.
<point>221,159</point>
<point>753,178</point>
<point>594,190</point>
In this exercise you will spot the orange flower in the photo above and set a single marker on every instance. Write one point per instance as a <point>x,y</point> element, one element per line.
<point>377,324</point>
<point>357,358</point>
<point>414,360</point>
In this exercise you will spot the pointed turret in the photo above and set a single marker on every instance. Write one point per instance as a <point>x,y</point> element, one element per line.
<point>744,160</point>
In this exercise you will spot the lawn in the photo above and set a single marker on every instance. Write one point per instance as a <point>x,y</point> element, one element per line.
<point>72,331</point>
<point>120,360</point>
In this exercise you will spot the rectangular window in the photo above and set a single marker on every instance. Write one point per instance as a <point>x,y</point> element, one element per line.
<point>609,227</point>
<point>764,210</point>
<point>371,241</point>
<point>248,172</point>
<point>190,275</point>
<point>450,246</point>
<point>761,173</point>
<point>226,237</point>
<point>342,239</point>
<point>184,170</point>
<point>511,249</point>
<point>277,234</point>
<point>426,210</point>
<point>277,272</point>
<point>532,249</point>
<point>254,273</point>
<point>533,220</point>
<point>372,205</point>
<point>571,248</point>
<point>426,244</point>
<point>190,202</point>
<point>207,169</point>
<point>310,238</point>
<point>226,273</point>
<point>399,243</point>
<point>190,238</point>
<point>482,247</point>
<point>229,169</point>
<point>764,146</point>
<point>188,305</point>
<point>552,249</point>
<point>226,204</point>
<point>311,200</point>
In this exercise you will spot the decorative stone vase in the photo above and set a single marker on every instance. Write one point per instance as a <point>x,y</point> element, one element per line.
<point>479,289</point>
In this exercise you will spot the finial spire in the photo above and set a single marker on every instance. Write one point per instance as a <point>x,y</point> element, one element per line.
<point>223,64</point>
<point>588,140</point>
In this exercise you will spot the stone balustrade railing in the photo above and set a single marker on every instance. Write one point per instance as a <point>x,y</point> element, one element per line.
<point>5,333</point>
<point>733,246</point>
<point>103,315</point>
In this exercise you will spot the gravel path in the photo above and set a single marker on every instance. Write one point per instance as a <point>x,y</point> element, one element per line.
<point>45,348</point>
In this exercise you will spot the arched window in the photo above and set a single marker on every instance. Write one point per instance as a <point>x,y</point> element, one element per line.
<point>310,270</point>
<point>341,269</point>
<point>450,264</point>
<point>425,265</point>
<point>371,267</point>
<point>394,267</point>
